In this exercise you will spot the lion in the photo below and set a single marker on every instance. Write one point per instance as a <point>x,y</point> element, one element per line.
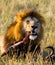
<point>26,27</point>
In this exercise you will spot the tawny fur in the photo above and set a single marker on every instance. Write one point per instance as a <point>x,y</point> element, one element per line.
<point>15,33</point>
<point>2,44</point>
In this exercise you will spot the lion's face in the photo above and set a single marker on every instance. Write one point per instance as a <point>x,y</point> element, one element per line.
<point>32,25</point>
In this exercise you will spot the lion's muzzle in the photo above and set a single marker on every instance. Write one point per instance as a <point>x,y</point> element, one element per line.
<point>33,34</point>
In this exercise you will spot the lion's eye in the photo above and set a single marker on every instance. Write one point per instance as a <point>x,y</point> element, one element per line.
<point>27,21</point>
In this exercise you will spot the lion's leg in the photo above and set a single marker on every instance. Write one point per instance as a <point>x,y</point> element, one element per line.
<point>2,41</point>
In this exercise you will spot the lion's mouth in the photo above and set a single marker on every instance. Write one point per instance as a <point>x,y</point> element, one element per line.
<point>33,36</point>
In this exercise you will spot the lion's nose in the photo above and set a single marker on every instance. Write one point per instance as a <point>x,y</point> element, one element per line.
<point>34,27</point>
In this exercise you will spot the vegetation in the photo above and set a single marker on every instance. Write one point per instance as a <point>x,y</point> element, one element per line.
<point>8,9</point>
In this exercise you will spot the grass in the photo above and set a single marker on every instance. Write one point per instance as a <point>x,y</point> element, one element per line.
<point>46,8</point>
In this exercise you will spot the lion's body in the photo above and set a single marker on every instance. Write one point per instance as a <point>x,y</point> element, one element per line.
<point>16,32</point>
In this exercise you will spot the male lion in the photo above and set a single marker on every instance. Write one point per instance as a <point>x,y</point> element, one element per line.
<point>27,26</point>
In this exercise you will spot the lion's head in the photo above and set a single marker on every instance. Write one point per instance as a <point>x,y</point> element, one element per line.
<point>28,22</point>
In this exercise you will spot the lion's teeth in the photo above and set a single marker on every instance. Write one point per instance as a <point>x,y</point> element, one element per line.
<point>32,37</point>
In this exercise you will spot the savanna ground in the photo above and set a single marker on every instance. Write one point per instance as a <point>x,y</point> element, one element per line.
<point>46,8</point>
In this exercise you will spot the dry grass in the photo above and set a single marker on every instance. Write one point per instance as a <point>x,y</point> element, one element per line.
<point>46,8</point>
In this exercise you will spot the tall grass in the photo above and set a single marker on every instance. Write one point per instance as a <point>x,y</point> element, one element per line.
<point>46,8</point>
